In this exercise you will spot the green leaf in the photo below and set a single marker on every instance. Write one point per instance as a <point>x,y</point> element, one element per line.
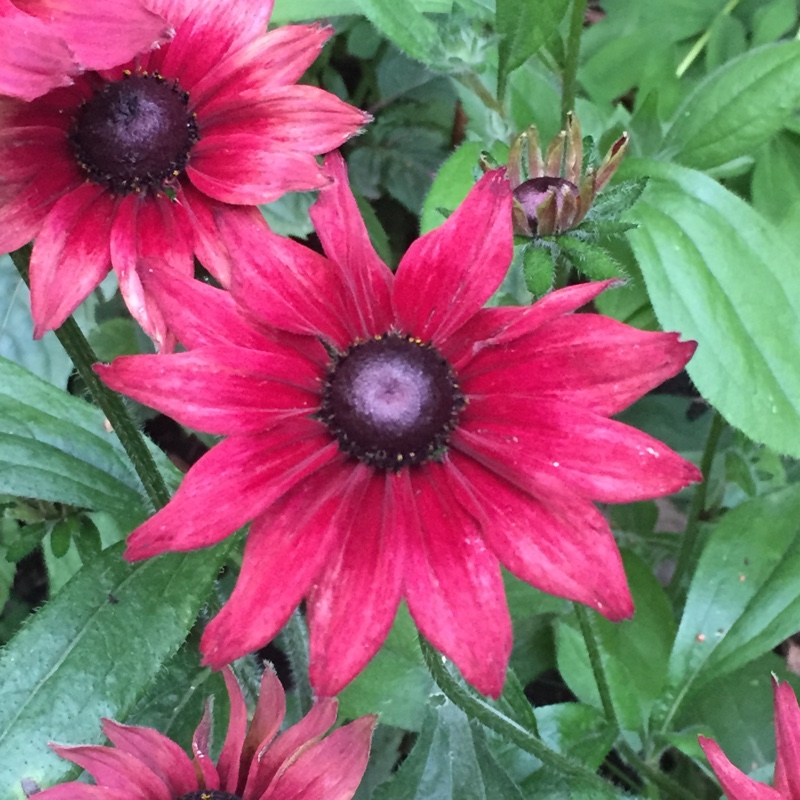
<point>776,177</point>
<point>93,651</point>
<point>634,652</point>
<point>720,274</point>
<point>590,259</point>
<point>450,761</point>
<point>54,447</point>
<point>615,200</point>
<point>773,20</point>
<point>524,26</point>
<point>727,40</point>
<point>305,10</point>
<point>538,269</point>
<point>739,575</point>
<point>395,683</point>
<point>736,108</point>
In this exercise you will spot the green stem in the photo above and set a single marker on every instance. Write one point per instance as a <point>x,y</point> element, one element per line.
<point>293,640</point>
<point>112,405</point>
<point>654,775</point>
<point>479,708</point>
<point>688,555</point>
<point>475,85</point>
<point>596,662</point>
<point>573,50</point>
<point>698,46</point>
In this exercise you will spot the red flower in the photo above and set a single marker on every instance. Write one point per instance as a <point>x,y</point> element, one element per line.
<point>43,44</point>
<point>141,161</point>
<point>736,785</point>
<point>255,763</point>
<point>390,439</point>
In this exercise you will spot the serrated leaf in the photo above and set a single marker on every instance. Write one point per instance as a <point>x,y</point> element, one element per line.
<point>538,270</point>
<point>93,651</point>
<point>590,259</point>
<point>615,200</point>
<point>720,274</point>
<point>450,761</point>
<point>524,26</point>
<point>736,108</point>
<point>54,447</point>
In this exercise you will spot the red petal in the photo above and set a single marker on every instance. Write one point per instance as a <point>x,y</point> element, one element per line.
<point>117,770</point>
<point>345,240</point>
<point>271,759</point>
<point>35,58</point>
<point>231,755</point>
<point>246,169</point>
<point>293,288</point>
<point>222,389</point>
<point>81,791</point>
<point>287,547</point>
<point>203,763</point>
<point>146,233</point>
<point>592,361</point>
<point>101,35</point>
<point>206,33</point>
<point>278,59</point>
<point>448,274</point>
<point>454,588</point>
<point>230,485</point>
<point>496,327</point>
<point>735,784</point>
<point>70,256</point>
<point>558,543</point>
<point>550,440</point>
<point>267,719</point>
<point>163,756</point>
<point>201,315</point>
<point>330,769</point>
<point>353,605</point>
<point>787,740</point>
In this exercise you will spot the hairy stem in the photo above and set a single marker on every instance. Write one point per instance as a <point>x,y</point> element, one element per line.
<point>112,405</point>
<point>573,50</point>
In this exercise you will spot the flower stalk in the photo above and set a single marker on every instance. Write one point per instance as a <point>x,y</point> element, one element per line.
<point>571,61</point>
<point>83,358</point>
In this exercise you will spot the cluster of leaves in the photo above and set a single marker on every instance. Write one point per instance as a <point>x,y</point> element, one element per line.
<point>709,93</point>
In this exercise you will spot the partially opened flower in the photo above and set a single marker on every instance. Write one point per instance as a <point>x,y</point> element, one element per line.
<point>736,785</point>
<point>43,44</point>
<point>390,439</point>
<point>142,160</point>
<point>256,762</point>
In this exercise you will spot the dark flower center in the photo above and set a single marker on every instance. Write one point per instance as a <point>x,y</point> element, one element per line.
<point>532,193</point>
<point>208,794</point>
<point>135,134</point>
<point>392,401</point>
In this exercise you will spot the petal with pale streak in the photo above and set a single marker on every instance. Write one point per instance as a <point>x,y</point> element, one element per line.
<point>735,784</point>
<point>787,740</point>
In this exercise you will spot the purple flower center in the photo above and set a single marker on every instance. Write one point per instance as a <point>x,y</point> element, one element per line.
<point>532,193</point>
<point>208,794</point>
<point>392,401</point>
<point>135,134</point>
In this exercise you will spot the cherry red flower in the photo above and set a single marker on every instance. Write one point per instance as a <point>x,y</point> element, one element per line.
<point>43,44</point>
<point>256,762</point>
<point>392,439</point>
<point>736,785</point>
<point>141,161</point>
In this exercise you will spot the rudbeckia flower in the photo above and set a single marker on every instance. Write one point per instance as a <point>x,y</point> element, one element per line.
<point>141,161</point>
<point>44,43</point>
<point>256,762</point>
<point>736,785</point>
<point>391,439</point>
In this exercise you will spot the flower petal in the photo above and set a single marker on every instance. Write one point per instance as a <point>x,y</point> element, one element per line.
<point>787,740</point>
<point>231,755</point>
<point>345,240</point>
<point>550,440</point>
<point>117,770</point>
<point>498,327</point>
<point>287,547</point>
<point>146,232</point>
<point>592,361</point>
<point>454,588</point>
<point>291,287</point>
<point>330,769</point>
<point>222,389</point>
<point>284,749</point>
<point>556,543</point>
<point>353,604</point>
<point>735,784</point>
<point>246,169</point>
<point>253,471</point>
<point>163,756</point>
<point>201,747</point>
<point>447,275</point>
<point>81,791</point>
<point>70,256</point>
<point>267,720</point>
